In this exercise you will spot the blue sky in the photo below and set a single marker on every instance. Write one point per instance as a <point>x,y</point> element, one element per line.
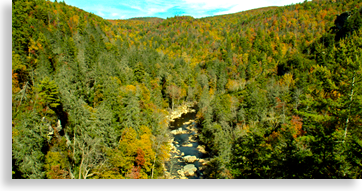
<point>124,9</point>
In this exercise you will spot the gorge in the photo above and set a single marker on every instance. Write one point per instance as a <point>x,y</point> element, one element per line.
<point>188,156</point>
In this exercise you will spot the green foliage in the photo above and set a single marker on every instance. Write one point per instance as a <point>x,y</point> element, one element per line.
<point>48,93</point>
<point>28,146</point>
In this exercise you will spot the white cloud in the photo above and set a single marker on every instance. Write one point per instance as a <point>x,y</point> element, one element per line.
<point>257,4</point>
<point>115,9</point>
<point>211,4</point>
<point>100,13</point>
<point>234,6</point>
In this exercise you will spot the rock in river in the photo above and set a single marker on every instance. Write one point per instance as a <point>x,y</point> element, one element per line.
<point>190,170</point>
<point>190,159</point>
<point>187,145</point>
<point>201,149</point>
<point>178,131</point>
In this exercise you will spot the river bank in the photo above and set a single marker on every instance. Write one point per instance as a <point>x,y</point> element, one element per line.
<point>188,157</point>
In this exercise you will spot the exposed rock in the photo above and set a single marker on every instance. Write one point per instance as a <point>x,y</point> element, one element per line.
<point>181,172</point>
<point>190,159</point>
<point>59,126</point>
<point>201,160</point>
<point>193,129</point>
<point>192,138</point>
<point>205,163</point>
<point>182,154</point>
<point>190,170</point>
<point>201,149</point>
<point>174,132</point>
<point>178,131</point>
<point>177,112</point>
<point>177,156</point>
<point>187,145</point>
<point>189,122</point>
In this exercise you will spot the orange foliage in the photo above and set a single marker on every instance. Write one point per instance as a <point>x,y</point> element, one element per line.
<point>280,104</point>
<point>296,127</point>
<point>57,173</point>
<point>272,137</point>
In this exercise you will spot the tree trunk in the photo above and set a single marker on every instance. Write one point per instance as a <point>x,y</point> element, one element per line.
<point>172,103</point>
<point>349,107</point>
<point>80,166</point>
<point>153,166</point>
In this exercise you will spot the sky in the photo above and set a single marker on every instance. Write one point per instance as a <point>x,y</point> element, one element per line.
<point>125,9</point>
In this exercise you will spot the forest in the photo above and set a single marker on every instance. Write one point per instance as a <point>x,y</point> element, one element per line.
<point>278,91</point>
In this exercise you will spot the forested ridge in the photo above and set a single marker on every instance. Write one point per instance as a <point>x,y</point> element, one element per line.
<point>278,91</point>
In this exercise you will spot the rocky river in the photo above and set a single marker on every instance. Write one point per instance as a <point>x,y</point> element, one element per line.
<point>188,157</point>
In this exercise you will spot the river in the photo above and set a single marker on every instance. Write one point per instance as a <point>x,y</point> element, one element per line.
<point>186,144</point>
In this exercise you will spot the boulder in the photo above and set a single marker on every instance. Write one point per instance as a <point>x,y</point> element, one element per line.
<point>187,123</point>
<point>190,170</point>
<point>190,159</point>
<point>205,163</point>
<point>178,131</point>
<point>201,149</point>
<point>192,138</point>
<point>181,172</point>
<point>174,132</point>
<point>187,145</point>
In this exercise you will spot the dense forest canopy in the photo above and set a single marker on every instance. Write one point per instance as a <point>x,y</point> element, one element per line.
<point>278,91</point>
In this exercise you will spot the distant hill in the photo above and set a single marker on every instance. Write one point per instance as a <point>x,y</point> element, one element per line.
<point>148,19</point>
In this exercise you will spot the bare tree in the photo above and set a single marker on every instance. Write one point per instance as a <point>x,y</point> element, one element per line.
<point>91,156</point>
<point>174,92</point>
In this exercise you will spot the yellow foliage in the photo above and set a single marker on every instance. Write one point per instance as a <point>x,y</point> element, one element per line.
<point>245,128</point>
<point>287,80</point>
<point>146,95</point>
<point>14,132</point>
<point>55,165</point>
<point>245,58</point>
<point>17,69</point>
<point>33,45</point>
<point>212,91</point>
<point>117,80</point>
<point>336,94</point>
<point>154,83</point>
<point>131,88</point>
<point>183,92</point>
<point>232,85</point>
<point>129,147</point>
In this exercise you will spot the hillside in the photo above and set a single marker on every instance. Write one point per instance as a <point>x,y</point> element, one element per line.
<point>148,19</point>
<point>278,91</point>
